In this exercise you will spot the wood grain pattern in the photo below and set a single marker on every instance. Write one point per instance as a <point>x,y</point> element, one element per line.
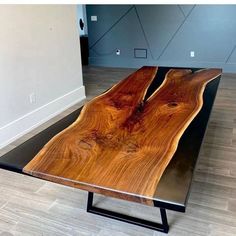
<point>121,143</point>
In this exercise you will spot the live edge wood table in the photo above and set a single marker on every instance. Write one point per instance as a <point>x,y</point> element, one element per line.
<point>138,141</point>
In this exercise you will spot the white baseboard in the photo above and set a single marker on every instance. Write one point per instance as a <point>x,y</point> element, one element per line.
<point>17,128</point>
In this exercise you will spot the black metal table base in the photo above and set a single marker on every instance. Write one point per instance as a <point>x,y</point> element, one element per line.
<point>162,227</point>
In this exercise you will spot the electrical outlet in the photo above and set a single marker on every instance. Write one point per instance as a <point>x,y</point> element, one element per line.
<point>32,98</point>
<point>118,52</point>
<point>94,18</point>
<point>192,54</point>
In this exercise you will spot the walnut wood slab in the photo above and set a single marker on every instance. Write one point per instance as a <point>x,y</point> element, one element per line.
<point>122,141</point>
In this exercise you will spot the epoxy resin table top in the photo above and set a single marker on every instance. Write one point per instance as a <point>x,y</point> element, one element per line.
<point>138,141</point>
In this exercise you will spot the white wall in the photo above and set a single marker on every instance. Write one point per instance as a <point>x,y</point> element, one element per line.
<point>39,53</point>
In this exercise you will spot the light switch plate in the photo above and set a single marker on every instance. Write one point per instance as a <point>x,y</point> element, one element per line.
<point>94,18</point>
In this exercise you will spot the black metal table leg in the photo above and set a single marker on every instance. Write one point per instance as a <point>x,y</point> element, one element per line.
<point>163,227</point>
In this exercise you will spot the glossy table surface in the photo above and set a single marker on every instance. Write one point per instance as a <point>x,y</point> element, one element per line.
<point>173,187</point>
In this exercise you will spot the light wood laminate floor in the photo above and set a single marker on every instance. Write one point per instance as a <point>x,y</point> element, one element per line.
<point>30,206</point>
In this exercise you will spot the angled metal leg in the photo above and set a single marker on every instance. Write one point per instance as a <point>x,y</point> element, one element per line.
<point>163,227</point>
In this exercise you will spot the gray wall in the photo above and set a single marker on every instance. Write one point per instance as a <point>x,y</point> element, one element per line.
<point>168,32</point>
